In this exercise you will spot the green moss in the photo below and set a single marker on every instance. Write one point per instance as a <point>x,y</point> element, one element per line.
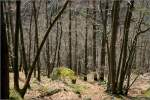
<point>77,88</point>
<point>63,73</point>
<point>103,82</point>
<point>14,95</point>
<point>87,98</point>
<point>43,89</point>
<point>147,93</point>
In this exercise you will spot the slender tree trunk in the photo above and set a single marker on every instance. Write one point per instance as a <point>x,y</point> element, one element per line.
<point>8,31</point>
<point>25,66</point>
<point>125,44</point>
<point>94,40</point>
<point>47,45</point>
<point>55,53</point>
<point>36,38</point>
<point>16,71</point>
<point>76,46</point>
<point>115,19</point>
<point>70,40</point>
<point>30,41</point>
<point>5,64</point>
<point>103,49</point>
<point>86,48</point>
<point>7,26</point>
<point>59,45</point>
<point>12,33</point>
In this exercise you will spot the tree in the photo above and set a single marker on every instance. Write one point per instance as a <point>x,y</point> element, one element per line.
<point>86,40</point>
<point>70,40</point>
<point>23,48</point>
<point>47,44</point>
<point>36,37</point>
<point>94,39</point>
<point>5,61</point>
<point>76,44</point>
<point>104,17</point>
<point>59,44</point>
<point>15,66</point>
<point>121,72</point>
<point>30,40</point>
<point>115,22</point>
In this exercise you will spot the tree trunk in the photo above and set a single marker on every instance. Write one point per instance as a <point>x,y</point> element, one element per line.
<point>70,40</point>
<point>5,64</point>
<point>36,38</point>
<point>47,45</point>
<point>12,32</point>
<point>25,66</point>
<point>94,40</point>
<point>86,40</point>
<point>16,71</point>
<point>115,23</point>
<point>103,49</point>
<point>59,45</point>
<point>125,44</point>
<point>76,46</point>
<point>30,41</point>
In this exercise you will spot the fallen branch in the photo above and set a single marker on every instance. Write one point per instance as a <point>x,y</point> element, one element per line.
<point>133,81</point>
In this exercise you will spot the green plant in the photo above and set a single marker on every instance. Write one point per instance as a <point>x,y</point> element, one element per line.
<point>77,88</point>
<point>63,73</point>
<point>14,95</point>
<point>147,93</point>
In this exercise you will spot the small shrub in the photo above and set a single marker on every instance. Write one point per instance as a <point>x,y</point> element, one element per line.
<point>77,88</point>
<point>147,93</point>
<point>102,82</point>
<point>87,98</point>
<point>63,73</point>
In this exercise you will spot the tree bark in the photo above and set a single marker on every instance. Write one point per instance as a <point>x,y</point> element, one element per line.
<point>115,23</point>
<point>5,64</point>
<point>25,66</point>
<point>30,40</point>
<point>47,45</point>
<point>36,38</point>
<point>94,40</point>
<point>125,44</point>
<point>103,49</point>
<point>16,71</point>
<point>86,40</point>
<point>70,40</point>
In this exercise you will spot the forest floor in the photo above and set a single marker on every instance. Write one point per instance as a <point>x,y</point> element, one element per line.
<point>81,90</point>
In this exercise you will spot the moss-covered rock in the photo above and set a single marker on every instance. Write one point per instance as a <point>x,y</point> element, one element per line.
<point>63,73</point>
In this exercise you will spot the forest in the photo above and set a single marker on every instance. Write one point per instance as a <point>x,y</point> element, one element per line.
<point>75,50</point>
